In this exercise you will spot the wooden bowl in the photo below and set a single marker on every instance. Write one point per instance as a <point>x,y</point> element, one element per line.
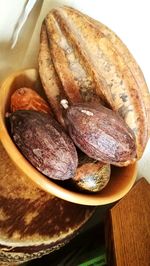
<point>122,179</point>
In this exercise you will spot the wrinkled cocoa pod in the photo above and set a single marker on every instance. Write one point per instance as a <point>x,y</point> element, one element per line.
<point>44,144</point>
<point>91,63</point>
<point>101,134</point>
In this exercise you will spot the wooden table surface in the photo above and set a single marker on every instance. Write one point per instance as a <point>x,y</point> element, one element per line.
<point>128,228</point>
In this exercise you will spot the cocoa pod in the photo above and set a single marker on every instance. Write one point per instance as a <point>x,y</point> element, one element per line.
<point>28,99</point>
<point>91,176</point>
<point>44,144</point>
<point>91,63</point>
<point>101,133</point>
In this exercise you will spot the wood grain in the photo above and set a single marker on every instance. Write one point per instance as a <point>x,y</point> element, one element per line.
<point>128,228</point>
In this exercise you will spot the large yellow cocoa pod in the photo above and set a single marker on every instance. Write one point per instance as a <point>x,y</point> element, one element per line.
<point>84,61</point>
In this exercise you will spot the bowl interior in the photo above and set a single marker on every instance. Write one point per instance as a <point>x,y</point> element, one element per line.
<point>122,179</point>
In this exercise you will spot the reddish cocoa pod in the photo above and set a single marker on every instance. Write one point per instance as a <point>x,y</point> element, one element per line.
<point>44,144</point>
<point>101,133</point>
<point>28,99</point>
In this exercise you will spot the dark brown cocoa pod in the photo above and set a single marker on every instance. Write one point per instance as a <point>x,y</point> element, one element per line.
<point>44,144</point>
<point>101,133</point>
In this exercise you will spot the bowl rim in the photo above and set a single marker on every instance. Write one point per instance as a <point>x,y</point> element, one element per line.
<point>38,178</point>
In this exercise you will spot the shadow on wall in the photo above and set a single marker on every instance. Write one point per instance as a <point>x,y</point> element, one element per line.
<point>11,59</point>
